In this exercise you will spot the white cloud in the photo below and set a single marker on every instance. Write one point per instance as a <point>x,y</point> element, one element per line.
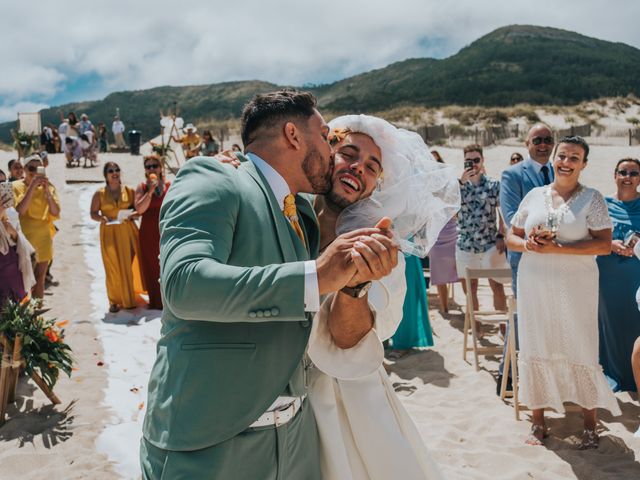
<point>9,113</point>
<point>141,44</point>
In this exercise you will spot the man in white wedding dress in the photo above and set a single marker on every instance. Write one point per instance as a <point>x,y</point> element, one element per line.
<point>379,170</point>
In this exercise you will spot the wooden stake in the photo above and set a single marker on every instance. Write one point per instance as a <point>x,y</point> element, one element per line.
<point>15,368</point>
<point>46,390</point>
<point>4,372</point>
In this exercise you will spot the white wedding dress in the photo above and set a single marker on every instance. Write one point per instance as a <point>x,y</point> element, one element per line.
<point>365,432</point>
<point>558,308</point>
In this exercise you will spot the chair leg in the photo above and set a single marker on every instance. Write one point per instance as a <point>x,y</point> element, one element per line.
<point>505,371</point>
<point>474,339</point>
<point>465,333</point>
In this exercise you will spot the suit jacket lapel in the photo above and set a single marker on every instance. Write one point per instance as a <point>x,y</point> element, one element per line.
<point>309,223</point>
<point>531,175</point>
<point>283,228</point>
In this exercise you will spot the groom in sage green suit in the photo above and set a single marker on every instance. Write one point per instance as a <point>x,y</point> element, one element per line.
<point>227,391</point>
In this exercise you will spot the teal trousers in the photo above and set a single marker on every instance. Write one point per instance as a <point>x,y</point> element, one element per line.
<point>289,452</point>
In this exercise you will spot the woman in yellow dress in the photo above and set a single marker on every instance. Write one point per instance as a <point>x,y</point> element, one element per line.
<point>118,237</point>
<point>37,203</point>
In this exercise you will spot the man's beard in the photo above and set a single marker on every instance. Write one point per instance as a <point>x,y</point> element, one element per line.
<point>336,202</point>
<point>312,166</point>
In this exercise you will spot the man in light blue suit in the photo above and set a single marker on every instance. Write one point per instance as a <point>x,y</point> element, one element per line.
<point>535,171</point>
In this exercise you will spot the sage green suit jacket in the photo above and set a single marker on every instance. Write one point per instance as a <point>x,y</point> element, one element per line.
<point>234,329</point>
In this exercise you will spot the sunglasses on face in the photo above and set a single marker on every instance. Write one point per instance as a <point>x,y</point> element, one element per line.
<point>539,140</point>
<point>113,170</point>
<point>152,166</point>
<point>631,173</point>
<point>475,160</point>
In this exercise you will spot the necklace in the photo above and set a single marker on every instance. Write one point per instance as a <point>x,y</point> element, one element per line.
<point>555,215</point>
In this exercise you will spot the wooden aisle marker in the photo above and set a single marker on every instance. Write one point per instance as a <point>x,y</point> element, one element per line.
<point>11,363</point>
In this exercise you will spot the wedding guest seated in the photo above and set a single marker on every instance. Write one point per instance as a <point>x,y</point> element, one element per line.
<point>479,234</point>
<point>72,151</point>
<point>190,141</point>
<point>515,158</point>
<point>118,237</point>
<point>619,318</point>
<point>37,203</point>
<point>560,228</point>
<point>148,200</point>
<point>89,148</point>
<point>16,170</point>
<point>209,147</point>
<point>16,269</point>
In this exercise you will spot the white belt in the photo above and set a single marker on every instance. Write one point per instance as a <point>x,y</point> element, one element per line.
<point>280,416</point>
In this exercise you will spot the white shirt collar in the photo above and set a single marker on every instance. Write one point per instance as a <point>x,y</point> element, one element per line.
<point>278,185</point>
<point>535,165</point>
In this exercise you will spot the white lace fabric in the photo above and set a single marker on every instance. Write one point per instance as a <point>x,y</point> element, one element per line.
<point>558,310</point>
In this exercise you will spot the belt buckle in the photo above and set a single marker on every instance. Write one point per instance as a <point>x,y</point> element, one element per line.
<point>276,417</point>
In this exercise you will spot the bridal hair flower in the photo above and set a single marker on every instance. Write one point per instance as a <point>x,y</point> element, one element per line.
<point>419,194</point>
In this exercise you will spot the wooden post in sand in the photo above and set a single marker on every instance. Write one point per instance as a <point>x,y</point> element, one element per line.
<point>15,367</point>
<point>5,372</point>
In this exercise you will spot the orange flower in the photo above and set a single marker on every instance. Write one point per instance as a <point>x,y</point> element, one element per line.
<point>51,335</point>
<point>25,300</point>
<point>62,324</point>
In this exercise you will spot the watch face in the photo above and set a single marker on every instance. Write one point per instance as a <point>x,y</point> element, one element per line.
<point>364,289</point>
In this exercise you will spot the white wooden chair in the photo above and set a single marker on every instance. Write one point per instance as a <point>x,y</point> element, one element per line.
<point>482,316</point>
<point>511,360</point>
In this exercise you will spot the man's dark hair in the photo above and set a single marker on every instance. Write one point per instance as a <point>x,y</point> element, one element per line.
<point>576,140</point>
<point>269,109</point>
<point>474,147</point>
<point>68,140</point>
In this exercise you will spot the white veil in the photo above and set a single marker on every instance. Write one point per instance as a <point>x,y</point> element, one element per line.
<point>419,194</point>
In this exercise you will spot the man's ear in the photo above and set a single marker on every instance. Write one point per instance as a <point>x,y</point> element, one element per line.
<point>292,136</point>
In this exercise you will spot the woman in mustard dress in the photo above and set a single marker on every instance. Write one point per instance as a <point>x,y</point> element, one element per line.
<point>37,204</point>
<point>118,237</point>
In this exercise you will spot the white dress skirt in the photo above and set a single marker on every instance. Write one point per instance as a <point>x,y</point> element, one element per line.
<point>558,307</point>
<point>365,432</point>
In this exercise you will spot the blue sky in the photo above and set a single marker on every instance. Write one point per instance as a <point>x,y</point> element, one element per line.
<point>54,54</point>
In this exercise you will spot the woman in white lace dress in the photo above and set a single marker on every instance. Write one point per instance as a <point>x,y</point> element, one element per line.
<point>561,228</point>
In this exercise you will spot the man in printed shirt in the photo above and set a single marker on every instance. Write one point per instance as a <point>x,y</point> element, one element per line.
<point>478,232</point>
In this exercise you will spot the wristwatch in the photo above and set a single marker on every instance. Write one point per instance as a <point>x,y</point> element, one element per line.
<point>358,291</point>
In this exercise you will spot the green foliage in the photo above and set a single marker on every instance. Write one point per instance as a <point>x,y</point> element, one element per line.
<point>25,142</point>
<point>43,348</point>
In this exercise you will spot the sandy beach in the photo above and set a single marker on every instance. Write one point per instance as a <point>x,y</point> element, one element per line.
<point>94,433</point>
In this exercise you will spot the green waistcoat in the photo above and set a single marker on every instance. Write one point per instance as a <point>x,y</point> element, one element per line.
<point>234,329</point>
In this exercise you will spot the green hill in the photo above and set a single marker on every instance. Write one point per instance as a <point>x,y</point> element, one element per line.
<point>511,65</point>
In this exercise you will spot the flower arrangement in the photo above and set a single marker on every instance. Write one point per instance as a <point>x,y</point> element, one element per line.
<point>161,149</point>
<point>43,348</point>
<point>24,142</point>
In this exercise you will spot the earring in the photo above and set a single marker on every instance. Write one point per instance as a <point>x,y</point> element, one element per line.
<point>378,184</point>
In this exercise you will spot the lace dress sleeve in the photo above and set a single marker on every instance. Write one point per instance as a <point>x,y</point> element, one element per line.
<point>598,214</point>
<point>520,217</point>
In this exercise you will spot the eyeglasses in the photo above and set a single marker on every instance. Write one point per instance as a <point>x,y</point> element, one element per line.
<point>631,173</point>
<point>539,140</point>
<point>113,170</point>
<point>152,166</point>
<point>475,160</point>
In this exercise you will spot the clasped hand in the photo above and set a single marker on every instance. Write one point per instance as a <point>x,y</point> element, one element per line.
<point>356,257</point>
<point>541,243</point>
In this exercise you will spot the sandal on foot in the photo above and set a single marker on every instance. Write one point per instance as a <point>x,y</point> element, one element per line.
<point>535,432</point>
<point>590,440</point>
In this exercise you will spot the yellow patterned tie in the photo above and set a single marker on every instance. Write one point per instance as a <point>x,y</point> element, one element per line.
<point>292,215</point>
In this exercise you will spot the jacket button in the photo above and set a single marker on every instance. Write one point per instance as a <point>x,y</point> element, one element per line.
<point>267,313</point>
<point>260,313</point>
<point>252,314</point>
<point>305,323</point>
<point>275,311</point>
